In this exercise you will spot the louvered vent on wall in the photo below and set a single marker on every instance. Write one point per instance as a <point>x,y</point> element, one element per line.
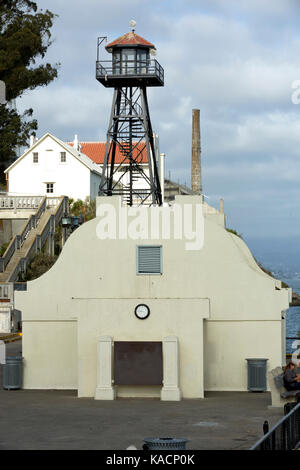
<point>149,259</point>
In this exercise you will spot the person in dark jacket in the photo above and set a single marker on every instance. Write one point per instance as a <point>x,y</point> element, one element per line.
<point>290,378</point>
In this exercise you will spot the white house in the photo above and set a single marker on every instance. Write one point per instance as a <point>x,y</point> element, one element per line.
<point>144,310</point>
<point>52,167</point>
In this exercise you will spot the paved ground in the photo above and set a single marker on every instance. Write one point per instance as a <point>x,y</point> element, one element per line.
<point>60,420</point>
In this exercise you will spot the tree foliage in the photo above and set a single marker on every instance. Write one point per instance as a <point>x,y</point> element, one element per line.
<point>86,208</point>
<point>14,131</point>
<point>24,39</point>
<point>40,264</point>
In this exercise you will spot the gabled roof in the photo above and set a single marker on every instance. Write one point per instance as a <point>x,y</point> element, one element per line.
<point>96,152</point>
<point>78,155</point>
<point>130,39</point>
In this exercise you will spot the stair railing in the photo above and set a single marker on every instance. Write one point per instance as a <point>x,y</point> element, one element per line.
<point>41,238</point>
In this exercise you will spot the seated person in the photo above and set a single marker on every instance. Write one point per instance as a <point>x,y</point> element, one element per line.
<point>291,380</point>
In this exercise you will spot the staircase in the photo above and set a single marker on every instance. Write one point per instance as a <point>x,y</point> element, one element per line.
<point>132,127</point>
<point>36,233</point>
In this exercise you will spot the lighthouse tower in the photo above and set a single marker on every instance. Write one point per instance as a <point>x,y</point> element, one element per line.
<point>130,147</point>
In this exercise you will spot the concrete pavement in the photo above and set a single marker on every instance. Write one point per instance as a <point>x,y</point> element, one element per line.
<point>59,420</point>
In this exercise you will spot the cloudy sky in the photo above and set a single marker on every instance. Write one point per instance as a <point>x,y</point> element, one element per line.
<point>235,60</point>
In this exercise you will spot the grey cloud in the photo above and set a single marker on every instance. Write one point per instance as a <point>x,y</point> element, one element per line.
<point>235,60</point>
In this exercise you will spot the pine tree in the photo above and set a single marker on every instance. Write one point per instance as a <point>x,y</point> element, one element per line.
<point>24,39</point>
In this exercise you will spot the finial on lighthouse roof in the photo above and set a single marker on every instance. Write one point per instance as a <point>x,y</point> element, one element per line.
<point>132,23</point>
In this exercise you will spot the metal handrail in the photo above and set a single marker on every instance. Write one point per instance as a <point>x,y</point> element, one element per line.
<point>129,67</point>
<point>288,429</point>
<point>41,209</point>
<point>12,247</point>
<point>18,240</point>
<point>16,271</point>
<point>62,208</point>
<point>40,238</point>
<point>33,221</point>
<point>45,233</point>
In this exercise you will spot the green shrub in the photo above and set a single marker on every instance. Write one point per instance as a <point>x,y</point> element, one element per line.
<point>40,264</point>
<point>86,208</point>
<point>3,248</point>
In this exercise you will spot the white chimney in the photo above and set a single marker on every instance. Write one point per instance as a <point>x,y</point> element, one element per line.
<point>221,206</point>
<point>31,140</point>
<point>75,142</point>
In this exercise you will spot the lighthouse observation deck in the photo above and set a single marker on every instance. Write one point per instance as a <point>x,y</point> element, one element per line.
<point>130,73</point>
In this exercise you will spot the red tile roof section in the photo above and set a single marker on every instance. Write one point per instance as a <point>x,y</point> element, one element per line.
<point>96,152</point>
<point>130,39</point>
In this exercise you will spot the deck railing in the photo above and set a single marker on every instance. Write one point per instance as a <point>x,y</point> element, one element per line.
<point>285,435</point>
<point>20,202</point>
<point>130,68</point>
<point>27,202</point>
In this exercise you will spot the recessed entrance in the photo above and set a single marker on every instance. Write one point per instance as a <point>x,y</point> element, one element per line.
<point>138,363</point>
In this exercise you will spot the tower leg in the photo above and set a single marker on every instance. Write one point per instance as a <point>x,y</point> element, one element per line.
<point>156,191</point>
<point>130,134</point>
<point>112,130</point>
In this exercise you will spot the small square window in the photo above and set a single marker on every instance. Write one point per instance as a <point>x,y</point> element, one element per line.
<point>63,157</point>
<point>149,259</point>
<point>35,157</point>
<point>49,187</point>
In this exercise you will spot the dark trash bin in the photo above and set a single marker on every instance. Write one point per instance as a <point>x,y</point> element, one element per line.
<point>288,407</point>
<point>291,404</point>
<point>257,374</point>
<point>164,443</point>
<point>13,373</point>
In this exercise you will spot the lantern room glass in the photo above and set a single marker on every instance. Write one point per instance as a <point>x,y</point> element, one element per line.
<point>130,61</point>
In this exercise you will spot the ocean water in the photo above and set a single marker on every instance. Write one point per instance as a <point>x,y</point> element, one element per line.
<point>292,327</point>
<point>292,317</point>
<point>281,256</point>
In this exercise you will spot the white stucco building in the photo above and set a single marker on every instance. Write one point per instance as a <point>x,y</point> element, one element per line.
<point>199,310</point>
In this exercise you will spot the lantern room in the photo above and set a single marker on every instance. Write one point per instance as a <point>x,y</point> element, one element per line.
<point>132,64</point>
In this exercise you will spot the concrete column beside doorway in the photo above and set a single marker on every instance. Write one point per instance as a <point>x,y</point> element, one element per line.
<point>105,389</point>
<point>170,390</point>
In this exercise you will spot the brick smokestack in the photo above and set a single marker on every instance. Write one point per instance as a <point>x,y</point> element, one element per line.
<point>196,154</point>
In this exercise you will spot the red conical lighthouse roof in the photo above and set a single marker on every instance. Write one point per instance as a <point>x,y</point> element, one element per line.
<point>129,39</point>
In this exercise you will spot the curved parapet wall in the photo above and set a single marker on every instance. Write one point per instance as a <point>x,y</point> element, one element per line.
<point>215,299</point>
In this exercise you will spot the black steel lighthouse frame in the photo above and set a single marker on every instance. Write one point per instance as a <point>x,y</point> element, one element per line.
<point>130,135</point>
